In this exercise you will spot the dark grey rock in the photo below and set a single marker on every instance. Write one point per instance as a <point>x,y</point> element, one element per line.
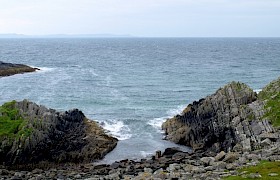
<point>56,137</point>
<point>206,124</point>
<point>229,120</point>
<point>169,152</point>
<point>8,69</point>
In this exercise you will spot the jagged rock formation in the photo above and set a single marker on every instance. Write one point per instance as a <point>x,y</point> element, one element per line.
<point>44,134</point>
<point>8,69</point>
<point>231,119</point>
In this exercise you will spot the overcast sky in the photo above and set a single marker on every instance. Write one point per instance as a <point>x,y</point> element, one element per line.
<point>152,18</point>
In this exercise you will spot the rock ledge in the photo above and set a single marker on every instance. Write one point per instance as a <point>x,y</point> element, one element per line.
<point>8,69</point>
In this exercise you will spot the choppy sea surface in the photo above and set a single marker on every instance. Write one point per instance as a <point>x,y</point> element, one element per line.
<point>131,85</point>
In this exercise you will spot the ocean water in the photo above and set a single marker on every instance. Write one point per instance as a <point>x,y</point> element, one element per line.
<point>131,85</point>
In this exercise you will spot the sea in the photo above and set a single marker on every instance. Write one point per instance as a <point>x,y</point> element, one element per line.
<point>132,85</point>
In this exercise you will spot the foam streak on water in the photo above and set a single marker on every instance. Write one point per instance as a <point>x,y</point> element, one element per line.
<point>157,122</point>
<point>117,129</point>
<point>44,69</point>
<point>257,90</point>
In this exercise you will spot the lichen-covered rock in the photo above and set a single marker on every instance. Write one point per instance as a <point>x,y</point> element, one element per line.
<point>231,119</point>
<point>54,137</point>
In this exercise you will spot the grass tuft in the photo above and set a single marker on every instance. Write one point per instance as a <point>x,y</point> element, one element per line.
<point>264,169</point>
<point>12,124</point>
<point>271,94</point>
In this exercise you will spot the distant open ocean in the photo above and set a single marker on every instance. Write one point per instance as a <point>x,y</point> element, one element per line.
<point>131,85</point>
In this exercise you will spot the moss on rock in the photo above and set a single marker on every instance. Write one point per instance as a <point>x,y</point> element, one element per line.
<point>12,123</point>
<point>271,95</point>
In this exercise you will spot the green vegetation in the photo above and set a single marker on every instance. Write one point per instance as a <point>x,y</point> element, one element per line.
<point>251,117</point>
<point>264,169</point>
<point>271,93</point>
<point>273,113</point>
<point>238,85</point>
<point>12,124</point>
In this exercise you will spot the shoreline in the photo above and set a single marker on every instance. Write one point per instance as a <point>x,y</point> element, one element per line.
<point>170,164</point>
<point>9,69</point>
<point>208,161</point>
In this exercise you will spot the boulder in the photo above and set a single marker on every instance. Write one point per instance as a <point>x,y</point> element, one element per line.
<point>231,166</point>
<point>253,157</point>
<point>169,152</point>
<point>158,154</point>
<point>231,157</point>
<point>220,156</point>
<point>207,160</point>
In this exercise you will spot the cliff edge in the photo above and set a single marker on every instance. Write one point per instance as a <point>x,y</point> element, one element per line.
<point>233,119</point>
<point>32,134</point>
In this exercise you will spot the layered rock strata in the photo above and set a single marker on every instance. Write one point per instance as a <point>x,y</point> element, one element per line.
<point>46,135</point>
<point>232,119</point>
<point>8,69</point>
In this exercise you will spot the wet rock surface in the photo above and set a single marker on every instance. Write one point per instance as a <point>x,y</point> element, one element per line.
<point>8,69</point>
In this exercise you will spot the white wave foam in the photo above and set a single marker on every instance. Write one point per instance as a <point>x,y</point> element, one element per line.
<point>145,154</point>
<point>92,71</point>
<point>178,110</point>
<point>257,90</point>
<point>45,69</point>
<point>157,122</point>
<point>117,129</point>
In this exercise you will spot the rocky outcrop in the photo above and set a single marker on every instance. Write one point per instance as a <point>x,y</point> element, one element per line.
<point>45,135</point>
<point>232,119</point>
<point>8,69</point>
<point>171,164</point>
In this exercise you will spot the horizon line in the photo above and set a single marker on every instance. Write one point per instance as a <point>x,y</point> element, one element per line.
<point>108,35</point>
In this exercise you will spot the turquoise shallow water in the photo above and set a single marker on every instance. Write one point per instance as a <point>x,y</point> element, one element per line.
<point>132,85</point>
